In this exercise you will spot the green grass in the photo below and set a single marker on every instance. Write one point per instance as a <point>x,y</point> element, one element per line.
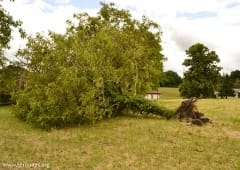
<point>169,93</point>
<point>129,142</point>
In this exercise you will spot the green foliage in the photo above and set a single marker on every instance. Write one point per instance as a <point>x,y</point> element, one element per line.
<point>203,73</point>
<point>5,98</point>
<point>172,79</point>
<point>7,23</point>
<point>144,106</point>
<point>10,83</point>
<point>88,73</point>
<point>226,87</point>
<point>235,74</point>
<point>134,103</point>
<point>235,77</point>
<point>8,75</point>
<point>237,83</point>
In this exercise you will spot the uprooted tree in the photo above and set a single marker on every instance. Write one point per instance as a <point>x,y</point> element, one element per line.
<point>188,112</point>
<point>97,69</point>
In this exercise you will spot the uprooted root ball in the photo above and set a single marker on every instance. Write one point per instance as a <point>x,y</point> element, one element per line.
<point>188,112</point>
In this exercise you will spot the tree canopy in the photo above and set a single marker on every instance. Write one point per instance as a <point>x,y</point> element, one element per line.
<point>10,83</point>
<point>226,87</point>
<point>171,79</point>
<point>8,75</point>
<point>202,74</point>
<point>235,77</point>
<point>92,70</point>
<point>7,23</point>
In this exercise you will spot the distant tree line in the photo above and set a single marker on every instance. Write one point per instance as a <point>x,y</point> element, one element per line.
<point>170,79</point>
<point>228,83</point>
<point>235,78</point>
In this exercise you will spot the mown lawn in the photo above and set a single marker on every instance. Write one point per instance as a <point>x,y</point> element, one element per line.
<point>128,142</point>
<point>169,93</point>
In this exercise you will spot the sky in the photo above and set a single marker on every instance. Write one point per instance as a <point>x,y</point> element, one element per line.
<point>215,23</point>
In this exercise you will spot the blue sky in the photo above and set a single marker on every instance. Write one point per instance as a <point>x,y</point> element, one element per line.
<point>214,23</point>
<point>233,4</point>
<point>78,3</point>
<point>197,15</point>
<point>85,3</point>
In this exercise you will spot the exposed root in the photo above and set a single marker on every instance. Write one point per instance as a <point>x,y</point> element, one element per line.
<point>188,112</point>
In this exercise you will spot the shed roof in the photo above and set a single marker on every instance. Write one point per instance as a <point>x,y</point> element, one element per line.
<point>236,90</point>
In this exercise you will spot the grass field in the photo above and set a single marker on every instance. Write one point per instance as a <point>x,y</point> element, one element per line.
<point>169,93</point>
<point>128,142</point>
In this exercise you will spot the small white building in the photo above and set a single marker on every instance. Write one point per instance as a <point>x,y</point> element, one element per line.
<point>153,95</point>
<point>237,93</point>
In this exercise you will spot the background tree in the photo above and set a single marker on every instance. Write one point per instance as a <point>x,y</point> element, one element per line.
<point>235,77</point>
<point>226,87</point>
<point>236,84</point>
<point>171,79</point>
<point>91,72</point>
<point>10,83</point>
<point>202,74</point>
<point>7,23</point>
<point>8,75</point>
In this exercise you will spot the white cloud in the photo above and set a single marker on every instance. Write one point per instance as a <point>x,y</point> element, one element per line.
<point>62,1</point>
<point>39,16</point>
<point>212,22</point>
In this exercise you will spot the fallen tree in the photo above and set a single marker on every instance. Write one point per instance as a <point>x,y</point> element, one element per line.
<point>97,69</point>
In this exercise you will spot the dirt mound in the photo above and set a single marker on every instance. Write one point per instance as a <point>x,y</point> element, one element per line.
<point>188,112</point>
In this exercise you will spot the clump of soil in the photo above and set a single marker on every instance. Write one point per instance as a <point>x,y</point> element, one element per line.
<point>188,112</point>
